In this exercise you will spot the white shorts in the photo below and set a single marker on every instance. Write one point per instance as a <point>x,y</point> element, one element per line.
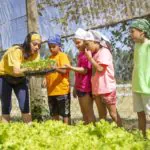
<point>141,102</point>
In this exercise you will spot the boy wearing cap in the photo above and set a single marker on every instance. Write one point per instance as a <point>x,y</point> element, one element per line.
<point>83,78</point>
<point>57,83</point>
<point>140,33</point>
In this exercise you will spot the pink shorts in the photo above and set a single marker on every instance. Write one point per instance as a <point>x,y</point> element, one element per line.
<point>109,98</point>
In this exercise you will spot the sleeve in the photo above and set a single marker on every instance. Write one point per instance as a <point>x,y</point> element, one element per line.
<point>64,60</point>
<point>86,64</point>
<point>104,58</point>
<point>15,58</point>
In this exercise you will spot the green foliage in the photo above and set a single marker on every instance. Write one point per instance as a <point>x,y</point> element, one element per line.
<point>56,135</point>
<point>39,65</point>
<point>91,14</point>
<point>122,51</point>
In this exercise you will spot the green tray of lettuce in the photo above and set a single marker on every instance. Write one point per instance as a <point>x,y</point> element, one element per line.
<point>41,67</point>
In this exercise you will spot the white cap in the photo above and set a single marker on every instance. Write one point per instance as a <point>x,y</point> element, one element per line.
<point>98,37</point>
<point>80,34</point>
<point>90,36</point>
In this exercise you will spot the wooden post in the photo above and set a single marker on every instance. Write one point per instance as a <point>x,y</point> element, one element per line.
<point>36,100</point>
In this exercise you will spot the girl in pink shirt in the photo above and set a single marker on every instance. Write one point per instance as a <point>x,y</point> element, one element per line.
<point>103,80</point>
<point>83,79</point>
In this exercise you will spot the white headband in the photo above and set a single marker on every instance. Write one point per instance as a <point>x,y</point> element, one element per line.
<point>90,37</point>
<point>98,37</point>
<point>80,34</point>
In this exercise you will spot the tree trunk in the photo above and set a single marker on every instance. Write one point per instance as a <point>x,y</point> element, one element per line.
<point>36,99</point>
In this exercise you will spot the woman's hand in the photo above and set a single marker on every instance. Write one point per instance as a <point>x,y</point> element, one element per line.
<point>18,71</point>
<point>25,69</point>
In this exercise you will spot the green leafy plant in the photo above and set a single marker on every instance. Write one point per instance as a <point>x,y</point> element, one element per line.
<point>55,135</point>
<point>40,65</point>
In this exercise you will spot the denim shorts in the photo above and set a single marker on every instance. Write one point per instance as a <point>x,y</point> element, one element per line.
<point>82,94</point>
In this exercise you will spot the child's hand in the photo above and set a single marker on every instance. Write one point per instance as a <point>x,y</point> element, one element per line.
<point>68,66</point>
<point>88,54</point>
<point>74,93</point>
<point>54,67</point>
<point>44,83</point>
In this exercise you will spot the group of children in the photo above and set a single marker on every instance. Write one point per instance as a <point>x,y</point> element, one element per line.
<point>94,76</point>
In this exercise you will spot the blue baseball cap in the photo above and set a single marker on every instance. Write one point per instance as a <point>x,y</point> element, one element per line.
<point>56,39</point>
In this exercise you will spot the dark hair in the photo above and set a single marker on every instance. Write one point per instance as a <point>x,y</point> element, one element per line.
<point>26,45</point>
<point>20,45</point>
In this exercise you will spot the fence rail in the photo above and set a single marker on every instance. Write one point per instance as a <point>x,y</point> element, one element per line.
<point>124,103</point>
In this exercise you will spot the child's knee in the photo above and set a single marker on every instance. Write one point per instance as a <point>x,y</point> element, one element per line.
<point>113,114</point>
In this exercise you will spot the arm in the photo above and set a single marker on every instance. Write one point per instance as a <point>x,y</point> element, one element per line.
<point>98,67</point>
<point>62,71</point>
<point>77,69</point>
<point>14,61</point>
<point>63,59</point>
<point>18,71</point>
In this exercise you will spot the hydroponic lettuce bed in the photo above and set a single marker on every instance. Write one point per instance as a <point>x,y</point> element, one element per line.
<point>53,135</point>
